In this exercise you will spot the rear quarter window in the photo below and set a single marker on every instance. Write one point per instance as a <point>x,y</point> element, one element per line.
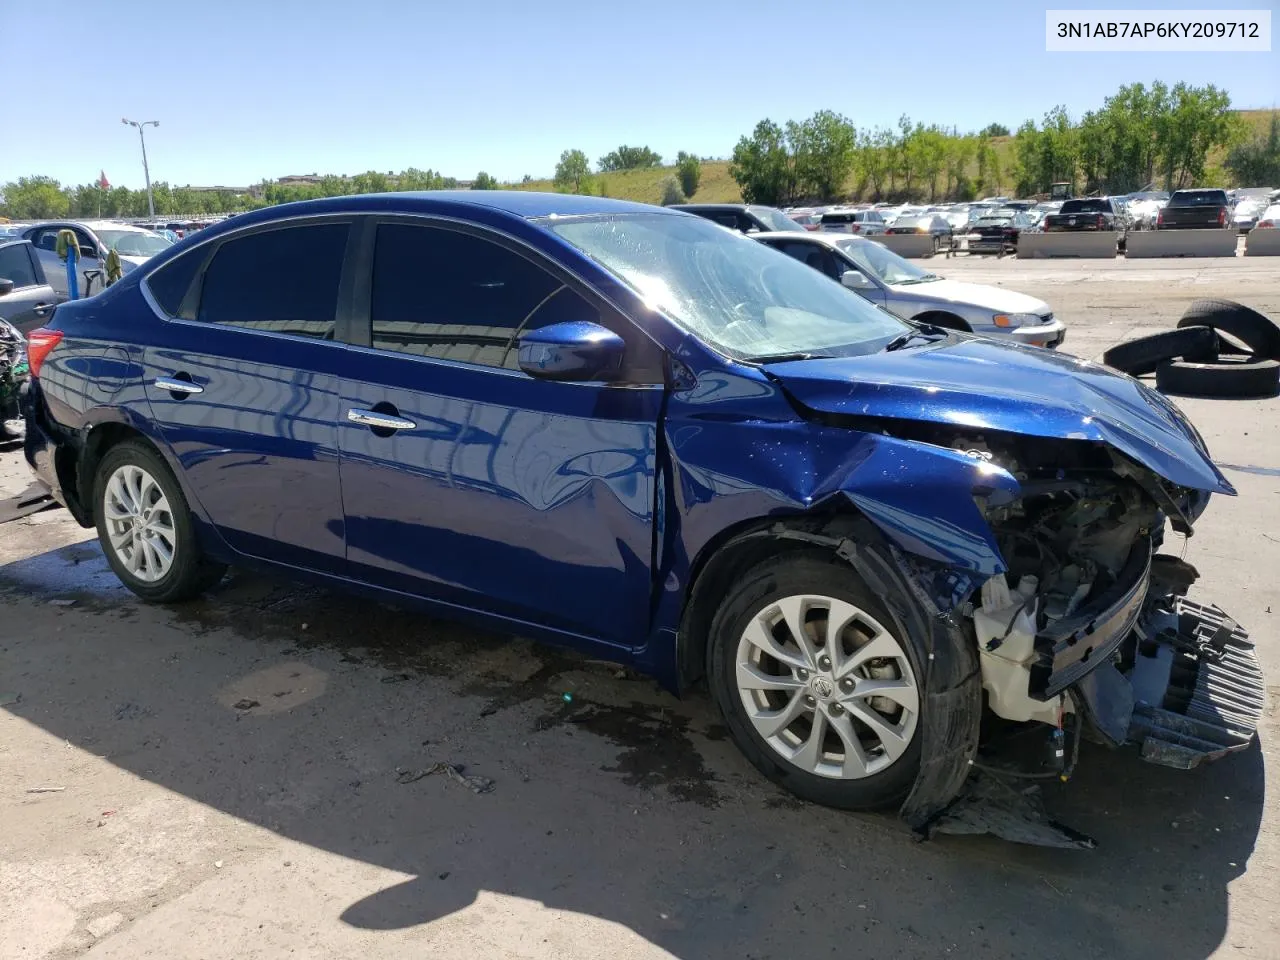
<point>170,283</point>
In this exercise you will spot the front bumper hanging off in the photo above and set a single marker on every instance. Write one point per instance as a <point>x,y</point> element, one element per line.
<point>1188,688</point>
<point>1197,686</point>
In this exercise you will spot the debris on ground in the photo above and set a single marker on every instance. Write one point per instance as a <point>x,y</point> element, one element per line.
<point>244,703</point>
<point>9,699</point>
<point>473,783</point>
<point>33,499</point>
<point>1017,814</point>
<point>45,789</point>
<point>62,602</point>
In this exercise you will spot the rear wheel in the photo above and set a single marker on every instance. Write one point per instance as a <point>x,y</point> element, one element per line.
<point>145,527</point>
<point>816,684</point>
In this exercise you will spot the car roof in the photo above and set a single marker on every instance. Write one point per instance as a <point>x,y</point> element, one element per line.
<point>94,225</point>
<point>711,206</point>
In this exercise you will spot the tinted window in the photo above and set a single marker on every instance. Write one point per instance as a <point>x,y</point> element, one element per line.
<point>15,265</point>
<point>169,284</point>
<point>452,296</point>
<point>1087,206</point>
<point>284,281</point>
<point>1199,198</point>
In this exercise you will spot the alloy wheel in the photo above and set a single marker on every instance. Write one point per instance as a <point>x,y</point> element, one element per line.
<point>827,686</point>
<point>139,523</point>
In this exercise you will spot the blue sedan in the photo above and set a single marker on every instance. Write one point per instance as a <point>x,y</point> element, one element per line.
<point>631,431</point>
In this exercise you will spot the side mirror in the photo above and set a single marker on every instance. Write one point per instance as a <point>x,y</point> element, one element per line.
<point>571,351</point>
<point>6,286</point>
<point>855,280</point>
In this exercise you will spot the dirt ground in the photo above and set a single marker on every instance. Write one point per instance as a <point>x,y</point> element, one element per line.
<point>241,777</point>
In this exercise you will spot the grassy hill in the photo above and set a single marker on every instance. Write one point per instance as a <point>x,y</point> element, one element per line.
<point>645,186</point>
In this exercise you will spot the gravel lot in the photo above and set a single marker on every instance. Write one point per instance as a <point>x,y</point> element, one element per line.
<point>622,821</point>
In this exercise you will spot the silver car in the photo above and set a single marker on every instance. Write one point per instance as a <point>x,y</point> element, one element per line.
<point>134,245</point>
<point>26,298</point>
<point>912,293</point>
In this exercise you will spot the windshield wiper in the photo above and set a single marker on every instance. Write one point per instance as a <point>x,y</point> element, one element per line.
<point>785,357</point>
<point>925,279</point>
<point>904,339</point>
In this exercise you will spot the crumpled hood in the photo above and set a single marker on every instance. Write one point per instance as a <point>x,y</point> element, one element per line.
<point>995,299</point>
<point>989,384</point>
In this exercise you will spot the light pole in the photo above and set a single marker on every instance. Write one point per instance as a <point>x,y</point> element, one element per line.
<point>151,207</point>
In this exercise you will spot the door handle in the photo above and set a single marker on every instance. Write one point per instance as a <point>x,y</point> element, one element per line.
<point>380,421</point>
<point>174,385</point>
<point>40,309</point>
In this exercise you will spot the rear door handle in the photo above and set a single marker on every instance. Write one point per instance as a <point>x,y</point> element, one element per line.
<point>174,385</point>
<point>40,309</point>
<point>382,421</point>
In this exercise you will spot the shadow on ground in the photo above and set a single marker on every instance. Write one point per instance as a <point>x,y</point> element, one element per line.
<point>304,712</point>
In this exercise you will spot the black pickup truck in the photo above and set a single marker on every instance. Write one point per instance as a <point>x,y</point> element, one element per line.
<point>1196,210</point>
<point>1095,213</point>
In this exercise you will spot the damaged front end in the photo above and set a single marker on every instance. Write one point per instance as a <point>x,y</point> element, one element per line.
<point>1089,617</point>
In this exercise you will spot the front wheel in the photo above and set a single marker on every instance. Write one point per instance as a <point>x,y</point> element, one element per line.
<point>817,684</point>
<point>145,527</point>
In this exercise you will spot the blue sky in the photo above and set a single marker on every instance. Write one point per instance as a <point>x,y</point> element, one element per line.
<point>247,90</point>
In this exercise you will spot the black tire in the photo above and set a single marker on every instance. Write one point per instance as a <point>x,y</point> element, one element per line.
<point>190,573</point>
<point>1255,331</point>
<point>785,576</point>
<point>1260,378</point>
<point>1136,357</point>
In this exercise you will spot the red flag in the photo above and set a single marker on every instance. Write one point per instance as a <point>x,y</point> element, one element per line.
<point>102,180</point>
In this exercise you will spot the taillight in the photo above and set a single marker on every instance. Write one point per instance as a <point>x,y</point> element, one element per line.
<point>1222,217</point>
<point>855,228</point>
<point>1101,221</point>
<point>1265,225</point>
<point>1160,218</point>
<point>40,343</point>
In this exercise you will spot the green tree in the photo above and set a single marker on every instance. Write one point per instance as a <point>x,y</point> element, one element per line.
<point>689,172</point>
<point>1255,162</point>
<point>988,163</point>
<point>763,166</point>
<point>629,158</point>
<point>994,130</point>
<point>572,172</point>
<point>824,149</point>
<point>371,181</point>
<point>484,181</point>
<point>875,158</point>
<point>671,191</point>
<point>35,198</point>
<point>1198,119</point>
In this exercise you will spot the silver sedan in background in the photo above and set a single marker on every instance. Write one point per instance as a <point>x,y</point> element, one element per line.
<point>912,293</point>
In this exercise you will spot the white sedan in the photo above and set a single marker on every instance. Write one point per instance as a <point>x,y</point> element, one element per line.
<point>910,292</point>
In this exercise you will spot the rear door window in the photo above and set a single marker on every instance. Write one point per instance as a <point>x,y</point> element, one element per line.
<point>15,265</point>
<point>277,281</point>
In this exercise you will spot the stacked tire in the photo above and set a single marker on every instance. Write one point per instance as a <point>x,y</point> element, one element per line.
<point>1220,349</point>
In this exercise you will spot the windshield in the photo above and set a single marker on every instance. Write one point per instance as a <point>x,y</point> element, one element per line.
<point>134,243</point>
<point>883,264</point>
<point>776,219</point>
<point>745,300</point>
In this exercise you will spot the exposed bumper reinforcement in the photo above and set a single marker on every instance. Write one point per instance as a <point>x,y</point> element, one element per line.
<point>1198,688</point>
